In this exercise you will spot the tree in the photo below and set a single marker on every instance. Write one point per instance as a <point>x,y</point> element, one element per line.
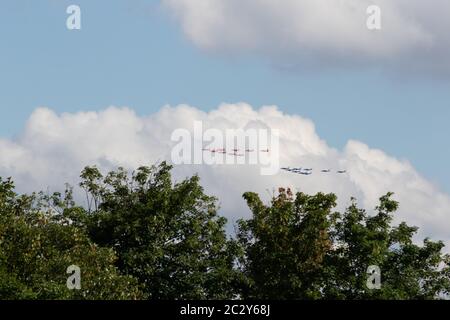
<point>408,271</point>
<point>298,248</point>
<point>37,245</point>
<point>141,236</point>
<point>285,245</point>
<point>168,236</point>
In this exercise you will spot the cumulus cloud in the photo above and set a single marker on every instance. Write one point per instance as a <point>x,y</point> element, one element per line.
<point>53,148</point>
<point>414,34</point>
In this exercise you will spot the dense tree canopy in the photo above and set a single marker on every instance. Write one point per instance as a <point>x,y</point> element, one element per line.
<point>167,236</point>
<point>299,248</point>
<point>141,236</point>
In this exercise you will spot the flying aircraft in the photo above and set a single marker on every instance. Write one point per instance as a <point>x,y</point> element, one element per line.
<point>298,170</point>
<point>308,171</point>
<point>236,154</point>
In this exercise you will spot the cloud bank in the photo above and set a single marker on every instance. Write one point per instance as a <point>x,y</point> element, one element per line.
<point>53,148</point>
<point>413,35</point>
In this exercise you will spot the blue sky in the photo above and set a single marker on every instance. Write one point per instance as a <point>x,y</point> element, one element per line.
<point>130,53</point>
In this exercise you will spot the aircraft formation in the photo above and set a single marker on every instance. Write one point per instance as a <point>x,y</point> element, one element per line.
<point>309,171</point>
<point>232,152</point>
<point>240,153</point>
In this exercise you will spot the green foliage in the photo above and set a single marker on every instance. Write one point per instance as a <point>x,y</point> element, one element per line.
<point>285,245</point>
<point>167,236</point>
<point>37,245</point>
<point>141,236</point>
<point>298,248</point>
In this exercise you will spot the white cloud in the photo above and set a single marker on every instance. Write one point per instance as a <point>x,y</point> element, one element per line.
<point>414,34</point>
<point>52,149</point>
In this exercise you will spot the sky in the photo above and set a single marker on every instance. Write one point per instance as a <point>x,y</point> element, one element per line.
<point>391,91</point>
